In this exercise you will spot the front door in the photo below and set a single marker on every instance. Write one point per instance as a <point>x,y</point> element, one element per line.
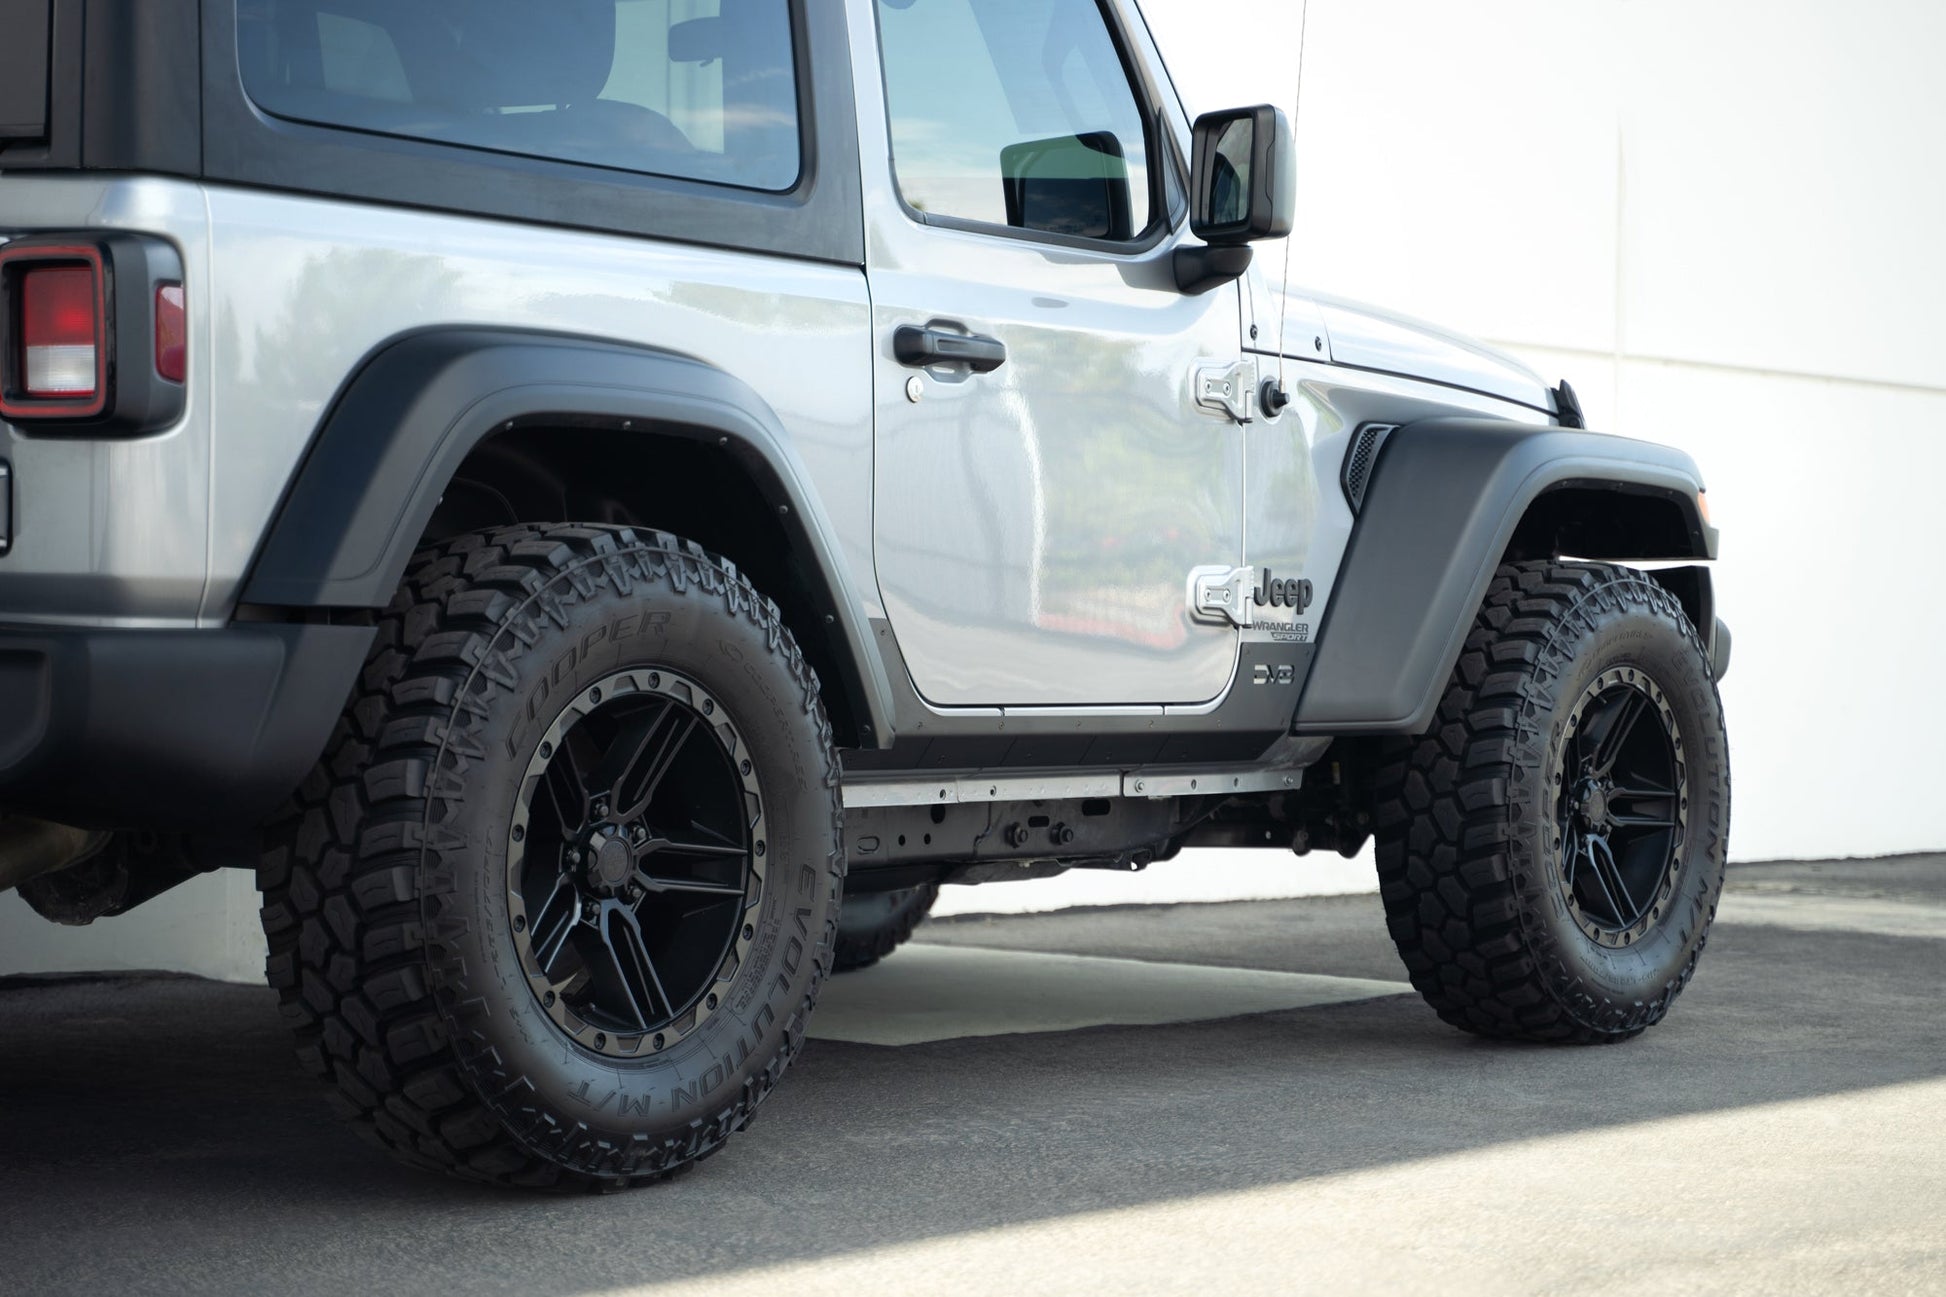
<point>1045,478</point>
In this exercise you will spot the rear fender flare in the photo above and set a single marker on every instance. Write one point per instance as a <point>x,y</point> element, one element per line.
<point>409,417</point>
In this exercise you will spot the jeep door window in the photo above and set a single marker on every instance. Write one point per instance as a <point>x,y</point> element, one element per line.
<point>697,89</point>
<point>1016,113</point>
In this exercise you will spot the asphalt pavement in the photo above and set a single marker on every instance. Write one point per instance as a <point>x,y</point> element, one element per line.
<point>1254,1104</point>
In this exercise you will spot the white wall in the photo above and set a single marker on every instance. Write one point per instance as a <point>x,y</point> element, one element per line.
<point>1725,222</point>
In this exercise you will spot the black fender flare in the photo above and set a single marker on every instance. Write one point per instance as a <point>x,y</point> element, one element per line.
<point>408,418</point>
<point>1444,502</point>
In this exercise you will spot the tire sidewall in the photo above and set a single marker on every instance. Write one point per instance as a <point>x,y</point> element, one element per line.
<point>594,1113</point>
<point>1624,621</point>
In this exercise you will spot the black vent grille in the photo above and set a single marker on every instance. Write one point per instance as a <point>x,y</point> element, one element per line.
<point>1360,460</point>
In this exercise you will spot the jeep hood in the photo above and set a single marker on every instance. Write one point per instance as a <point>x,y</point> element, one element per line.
<point>1368,338</point>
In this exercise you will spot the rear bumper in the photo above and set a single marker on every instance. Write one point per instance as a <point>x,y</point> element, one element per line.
<point>167,729</point>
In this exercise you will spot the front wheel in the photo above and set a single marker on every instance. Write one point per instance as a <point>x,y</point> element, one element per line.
<point>554,908</point>
<point>1551,853</point>
<point>874,924</point>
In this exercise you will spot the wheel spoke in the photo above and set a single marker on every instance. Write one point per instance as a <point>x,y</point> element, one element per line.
<point>1622,719</point>
<point>1641,821</point>
<point>634,766</point>
<point>652,883</point>
<point>1609,874</point>
<point>567,789</point>
<point>693,850</point>
<point>638,989</point>
<point>1659,817</point>
<point>552,924</point>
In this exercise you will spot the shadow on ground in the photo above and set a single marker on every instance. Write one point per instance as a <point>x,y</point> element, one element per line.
<point>156,1136</point>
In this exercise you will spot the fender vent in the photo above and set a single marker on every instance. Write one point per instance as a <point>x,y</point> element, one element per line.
<point>1359,461</point>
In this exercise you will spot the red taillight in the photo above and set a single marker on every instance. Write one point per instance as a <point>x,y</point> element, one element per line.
<point>60,332</point>
<point>171,333</point>
<point>93,333</point>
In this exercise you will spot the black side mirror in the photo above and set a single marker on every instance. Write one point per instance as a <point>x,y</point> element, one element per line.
<point>1244,189</point>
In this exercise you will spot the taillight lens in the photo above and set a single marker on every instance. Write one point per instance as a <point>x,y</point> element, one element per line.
<point>171,333</point>
<point>60,332</point>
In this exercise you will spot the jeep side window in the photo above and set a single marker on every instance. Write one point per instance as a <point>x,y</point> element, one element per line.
<point>1016,113</point>
<point>698,89</point>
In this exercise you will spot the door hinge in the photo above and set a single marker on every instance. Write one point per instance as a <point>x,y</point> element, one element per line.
<point>1223,594</point>
<point>1231,389</point>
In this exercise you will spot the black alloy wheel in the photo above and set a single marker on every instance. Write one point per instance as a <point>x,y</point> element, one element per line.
<point>1622,806</point>
<point>636,851</point>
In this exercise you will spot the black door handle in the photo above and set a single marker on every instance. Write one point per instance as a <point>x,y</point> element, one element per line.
<point>920,348</point>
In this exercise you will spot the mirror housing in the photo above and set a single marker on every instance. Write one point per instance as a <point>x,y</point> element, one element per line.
<point>1243,190</point>
<point>1244,177</point>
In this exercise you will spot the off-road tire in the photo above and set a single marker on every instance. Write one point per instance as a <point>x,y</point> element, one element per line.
<point>875,924</point>
<point>384,886</point>
<point>1468,824</point>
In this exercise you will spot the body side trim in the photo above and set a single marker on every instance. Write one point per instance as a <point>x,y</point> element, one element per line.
<point>1445,499</point>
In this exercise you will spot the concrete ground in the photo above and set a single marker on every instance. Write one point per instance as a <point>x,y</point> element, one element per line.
<point>1781,1132</point>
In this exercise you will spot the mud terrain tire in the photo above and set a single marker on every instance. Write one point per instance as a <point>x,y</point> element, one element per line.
<point>875,924</point>
<point>391,890</point>
<point>1487,824</point>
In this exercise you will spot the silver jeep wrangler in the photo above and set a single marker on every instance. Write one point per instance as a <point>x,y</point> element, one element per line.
<point>606,505</point>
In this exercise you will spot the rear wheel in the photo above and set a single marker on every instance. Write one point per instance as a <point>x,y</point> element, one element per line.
<point>555,907</point>
<point>1551,854</point>
<point>874,924</point>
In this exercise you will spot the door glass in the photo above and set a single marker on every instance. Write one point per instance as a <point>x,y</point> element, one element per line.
<point>1015,113</point>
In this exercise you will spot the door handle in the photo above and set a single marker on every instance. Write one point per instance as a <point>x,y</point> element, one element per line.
<point>920,348</point>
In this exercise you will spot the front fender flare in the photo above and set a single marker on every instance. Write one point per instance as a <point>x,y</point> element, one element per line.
<point>1443,505</point>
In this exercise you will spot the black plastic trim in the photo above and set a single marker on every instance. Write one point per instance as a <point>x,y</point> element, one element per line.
<point>125,89</point>
<point>1361,462</point>
<point>1720,651</point>
<point>1250,719</point>
<point>167,729</point>
<point>416,409</point>
<point>25,56</point>
<point>143,87</point>
<point>1438,517</point>
<point>822,219</point>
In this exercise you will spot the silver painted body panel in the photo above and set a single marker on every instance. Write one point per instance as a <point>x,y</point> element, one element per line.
<point>288,294</point>
<point>1034,524</point>
<point>1395,344</point>
<point>115,531</point>
<point>307,288</point>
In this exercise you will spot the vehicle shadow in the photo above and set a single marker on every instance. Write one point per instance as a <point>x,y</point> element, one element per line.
<point>156,1136</point>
